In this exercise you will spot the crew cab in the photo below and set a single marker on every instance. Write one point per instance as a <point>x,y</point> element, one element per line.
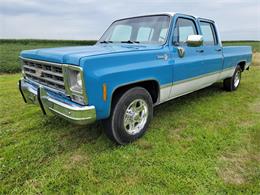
<point>138,63</point>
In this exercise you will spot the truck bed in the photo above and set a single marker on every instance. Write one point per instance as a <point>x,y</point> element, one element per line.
<point>235,54</point>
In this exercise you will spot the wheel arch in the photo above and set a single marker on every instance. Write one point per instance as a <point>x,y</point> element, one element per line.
<point>151,85</point>
<point>242,64</point>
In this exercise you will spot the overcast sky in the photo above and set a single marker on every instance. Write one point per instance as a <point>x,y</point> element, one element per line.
<point>88,19</point>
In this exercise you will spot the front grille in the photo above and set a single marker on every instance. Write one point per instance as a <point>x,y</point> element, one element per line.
<point>45,73</point>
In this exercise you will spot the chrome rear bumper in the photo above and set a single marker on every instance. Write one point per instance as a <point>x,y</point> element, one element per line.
<point>48,101</point>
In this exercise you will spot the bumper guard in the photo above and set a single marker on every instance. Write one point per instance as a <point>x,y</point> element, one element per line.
<point>66,109</point>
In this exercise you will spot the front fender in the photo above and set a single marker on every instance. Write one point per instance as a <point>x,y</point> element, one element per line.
<point>116,70</point>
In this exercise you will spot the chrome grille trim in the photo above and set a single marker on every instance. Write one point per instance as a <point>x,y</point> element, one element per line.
<point>46,73</point>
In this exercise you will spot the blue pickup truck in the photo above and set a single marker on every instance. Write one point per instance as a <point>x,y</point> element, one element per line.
<point>138,63</point>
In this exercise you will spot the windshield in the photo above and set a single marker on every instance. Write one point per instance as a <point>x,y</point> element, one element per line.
<point>145,30</point>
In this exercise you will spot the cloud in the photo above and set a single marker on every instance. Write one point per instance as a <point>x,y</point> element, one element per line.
<point>88,19</point>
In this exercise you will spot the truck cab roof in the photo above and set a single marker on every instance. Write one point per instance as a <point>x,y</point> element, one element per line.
<point>169,14</point>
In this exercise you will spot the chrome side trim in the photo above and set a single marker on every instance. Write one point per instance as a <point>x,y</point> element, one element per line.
<point>204,75</point>
<point>183,87</point>
<point>165,92</point>
<point>192,85</point>
<point>226,73</point>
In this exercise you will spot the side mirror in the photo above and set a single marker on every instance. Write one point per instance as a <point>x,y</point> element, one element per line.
<point>194,40</point>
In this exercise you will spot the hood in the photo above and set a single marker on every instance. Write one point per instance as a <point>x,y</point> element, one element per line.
<point>72,55</point>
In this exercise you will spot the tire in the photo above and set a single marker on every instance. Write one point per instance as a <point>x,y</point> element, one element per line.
<point>231,84</point>
<point>130,116</point>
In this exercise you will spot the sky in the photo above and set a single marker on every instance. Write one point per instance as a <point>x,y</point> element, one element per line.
<point>88,19</point>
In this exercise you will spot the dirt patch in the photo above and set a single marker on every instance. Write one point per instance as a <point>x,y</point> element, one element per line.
<point>256,59</point>
<point>175,135</point>
<point>237,167</point>
<point>33,184</point>
<point>142,143</point>
<point>255,107</point>
<point>6,121</point>
<point>131,180</point>
<point>76,159</point>
<point>247,123</point>
<point>233,170</point>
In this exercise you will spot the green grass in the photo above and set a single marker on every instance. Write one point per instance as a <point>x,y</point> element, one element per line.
<point>204,142</point>
<point>10,50</point>
<point>255,44</point>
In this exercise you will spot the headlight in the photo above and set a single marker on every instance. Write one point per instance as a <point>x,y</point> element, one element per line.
<point>75,81</point>
<point>74,84</point>
<point>79,81</point>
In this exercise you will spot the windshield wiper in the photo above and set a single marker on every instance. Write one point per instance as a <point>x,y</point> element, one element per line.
<point>106,42</point>
<point>129,41</point>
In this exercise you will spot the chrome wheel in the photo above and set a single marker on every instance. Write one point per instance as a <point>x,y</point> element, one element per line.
<point>135,116</point>
<point>237,78</point>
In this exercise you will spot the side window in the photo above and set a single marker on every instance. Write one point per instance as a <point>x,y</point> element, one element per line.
<point>144,34</point>
<point>184,27</point>
<point>208,32</point>
<point>121,33</point>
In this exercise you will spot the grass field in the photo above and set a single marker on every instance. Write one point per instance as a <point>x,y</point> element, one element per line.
<point>204,142</point>
<point>10,50</point>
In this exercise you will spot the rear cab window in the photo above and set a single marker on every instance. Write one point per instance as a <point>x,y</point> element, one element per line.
<point>209,33</point>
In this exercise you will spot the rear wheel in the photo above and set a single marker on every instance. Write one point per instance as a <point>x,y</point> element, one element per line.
<point>130,116</point>
<point>231,84</point>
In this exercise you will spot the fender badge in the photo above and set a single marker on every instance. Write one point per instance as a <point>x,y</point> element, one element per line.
<point>162,57</point>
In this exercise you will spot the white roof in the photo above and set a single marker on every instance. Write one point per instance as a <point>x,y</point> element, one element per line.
<point>150,14</point>
<point>165,13</point>
<point>171,14</point>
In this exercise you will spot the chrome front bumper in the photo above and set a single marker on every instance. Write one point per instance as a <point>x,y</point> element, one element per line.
<point>49,101</point>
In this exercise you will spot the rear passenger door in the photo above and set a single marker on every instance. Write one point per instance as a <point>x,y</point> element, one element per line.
<point>212,49</point>
<point>189,67</point>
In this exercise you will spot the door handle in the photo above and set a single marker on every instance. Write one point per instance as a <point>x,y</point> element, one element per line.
<point>200,50</point>
<point>219,49</point>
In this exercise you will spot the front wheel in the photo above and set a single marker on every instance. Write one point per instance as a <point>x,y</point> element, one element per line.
<point>130,116</point>
<point>231,84</point>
